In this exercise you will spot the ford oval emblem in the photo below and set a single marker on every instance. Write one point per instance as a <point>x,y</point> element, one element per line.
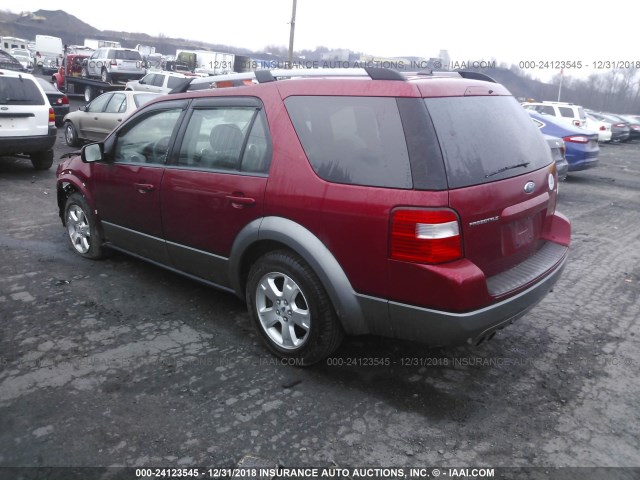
<point>528,187</point>
<point>4,108</point>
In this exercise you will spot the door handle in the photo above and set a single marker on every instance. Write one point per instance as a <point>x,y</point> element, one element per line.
<point>144,187</point>
<point>238,201</point>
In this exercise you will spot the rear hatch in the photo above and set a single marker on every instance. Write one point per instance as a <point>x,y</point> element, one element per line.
<point>21,107</point>
<point>501,182</point>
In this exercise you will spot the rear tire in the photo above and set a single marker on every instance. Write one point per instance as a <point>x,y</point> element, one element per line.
<point>291,309</point>
<point>82,232</point>
<point>71,134</point>
<point>105,76</point>
<point>42,160</point>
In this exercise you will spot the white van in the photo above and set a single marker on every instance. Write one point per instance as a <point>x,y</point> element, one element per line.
<point>49,52</point>
<point>564,112</point>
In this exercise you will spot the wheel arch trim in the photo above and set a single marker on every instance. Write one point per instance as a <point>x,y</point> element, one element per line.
<point>66,180</point>
<point>314,252</point>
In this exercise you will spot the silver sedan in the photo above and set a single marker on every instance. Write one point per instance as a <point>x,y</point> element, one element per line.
<point>98,118</point>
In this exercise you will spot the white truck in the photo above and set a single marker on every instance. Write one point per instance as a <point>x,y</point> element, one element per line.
<point>49,53</point>
<point>96,44</point>
<point>205,61</point>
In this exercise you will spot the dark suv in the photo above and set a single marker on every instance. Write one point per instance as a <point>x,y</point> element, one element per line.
<point>358,202</point>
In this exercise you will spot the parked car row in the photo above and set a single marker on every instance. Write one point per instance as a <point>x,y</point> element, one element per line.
<point>609,127</point>
<point>581,145</point>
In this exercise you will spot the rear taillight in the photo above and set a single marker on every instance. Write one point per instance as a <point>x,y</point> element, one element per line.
<point>52,117</point>
<point>113,63</point>
<point>603,128</point>
<point>619,125</point>
<point>576,123</point>
<point>64,100</point>
<point>576,139</point>
<point>425,236</point>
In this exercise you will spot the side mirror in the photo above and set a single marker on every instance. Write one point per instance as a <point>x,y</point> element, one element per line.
<point>93,152</point>
<point>82,108</point>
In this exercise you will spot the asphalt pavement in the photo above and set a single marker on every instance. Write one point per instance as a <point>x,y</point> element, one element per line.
<point>120,363</point>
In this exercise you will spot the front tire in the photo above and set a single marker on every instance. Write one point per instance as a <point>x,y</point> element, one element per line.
<point>82,232</point>
<point>291,309</point>
<point>71,135</point>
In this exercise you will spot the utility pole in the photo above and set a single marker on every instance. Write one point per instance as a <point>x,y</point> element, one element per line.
<point>293,28</point>
<point>560,87</point>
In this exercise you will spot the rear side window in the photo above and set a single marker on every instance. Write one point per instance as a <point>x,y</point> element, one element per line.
<point>19,91</point>
<point>484,139</point>
<point>353,140</point>
<point>545,110</point>
<point>173,82</point>
<point>566,112</point>
<point>158,80</point>
<point>230,139</point>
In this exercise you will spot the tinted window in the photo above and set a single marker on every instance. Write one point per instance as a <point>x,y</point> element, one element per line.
<point>99,103</point>
<point>215,137</point>
<point>566,112</point>
<point>581,113</point>
<point>174,82</point>
<point>142,98</point>
<point>125,55</point>
<point>158,80</point>
<point>148,79</point>
<point>481,135</point>
<point>19,91</point>
<point>546,110</point>
<point>257,152</point>
<point>148,140</point>
<point>46,86</point>
<point>118,103</point>
<point>354,140</point>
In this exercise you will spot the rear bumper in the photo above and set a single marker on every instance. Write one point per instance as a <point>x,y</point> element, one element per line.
<point>120,76</point>
<point>41,143</point>
<point>435,327</point>
<point>583,164</point>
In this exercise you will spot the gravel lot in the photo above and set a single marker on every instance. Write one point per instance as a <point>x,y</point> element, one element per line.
<point>118,362</point>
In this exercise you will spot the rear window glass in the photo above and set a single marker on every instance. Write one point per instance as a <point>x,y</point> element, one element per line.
<point>19,91</point>
<point>125,55</point>
<point>353,140</point>
<point>143,98</point>
<point>484,139</point>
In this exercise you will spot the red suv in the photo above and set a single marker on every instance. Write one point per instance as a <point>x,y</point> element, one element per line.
<point>358,202</point>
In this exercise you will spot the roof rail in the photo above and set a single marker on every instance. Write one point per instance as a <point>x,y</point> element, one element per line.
<point>266,76</point>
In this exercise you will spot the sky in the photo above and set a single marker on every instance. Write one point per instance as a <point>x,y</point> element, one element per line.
<point>537,32</point>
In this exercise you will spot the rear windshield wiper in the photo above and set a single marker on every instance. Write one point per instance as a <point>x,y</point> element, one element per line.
<point>504,169</point>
